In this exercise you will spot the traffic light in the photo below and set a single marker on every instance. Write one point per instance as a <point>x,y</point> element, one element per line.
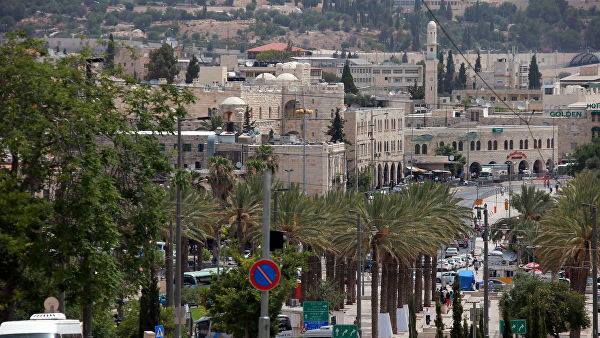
<point>478,213</point>
<point>506,204</point>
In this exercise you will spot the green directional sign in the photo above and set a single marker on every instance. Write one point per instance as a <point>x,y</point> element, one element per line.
<point>345,331</point>
<point>315,314</point>
<point>518,326</point>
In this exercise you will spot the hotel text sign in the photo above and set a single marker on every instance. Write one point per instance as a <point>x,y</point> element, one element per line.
<point>567,114</point>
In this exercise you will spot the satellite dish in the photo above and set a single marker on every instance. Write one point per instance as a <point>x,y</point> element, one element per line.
<point>249,63</point>
<point>451,158</point>
<point>238,165</point>
<point>51,305</point>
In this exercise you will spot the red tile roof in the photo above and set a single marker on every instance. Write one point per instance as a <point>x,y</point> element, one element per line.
<point>276,46</point>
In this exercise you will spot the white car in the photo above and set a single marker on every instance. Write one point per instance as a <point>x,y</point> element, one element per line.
<point>455,263</point>
<point>446,278</point>
<point>451,252</point>
<point>443,265</point>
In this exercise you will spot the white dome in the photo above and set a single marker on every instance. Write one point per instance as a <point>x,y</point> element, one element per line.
<point>290,65</point>
<point>431,25</point>
<point>266,77</point>
<point>233,101</point>
<point>286,77</point>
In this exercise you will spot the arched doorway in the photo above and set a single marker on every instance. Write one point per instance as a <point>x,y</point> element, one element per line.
<point>523,165</point>
<point>379,175</point>
<point>399,173</point>
<point>549,166</point>
<point>290,107</point>
<point>475,169</point>
<point>229,116</point>
<point>393,174</point>
<point>386,174</point>
<point>538,167</point>
<point>510,167</point>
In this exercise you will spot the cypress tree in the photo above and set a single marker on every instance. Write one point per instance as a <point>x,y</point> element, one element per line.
<point>348,81</point>
<point>149,305</point>
<point>110,52</point>
<point>449,76</point>
<point>192,70</point>
<point>535,76</point>
<point>457,310</point>
<point>336,129</point>
<point>478,63</point>
<point>461,78</point>
<point>439,322</point>
<point>248,125</point>
<point>465,329</point>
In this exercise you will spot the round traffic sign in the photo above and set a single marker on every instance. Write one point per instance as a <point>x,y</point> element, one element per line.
<point>264,275</point>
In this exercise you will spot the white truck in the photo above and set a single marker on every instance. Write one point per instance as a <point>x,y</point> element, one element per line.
<point>42,325</point>
<point>493,172</point>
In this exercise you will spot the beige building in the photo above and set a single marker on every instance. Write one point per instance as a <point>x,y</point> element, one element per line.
<point>134,60</point>
<point>388,75</point>
<point>211,76</point>
<point>529,149</point>
<point>377,141</point>
<point>315,167</point>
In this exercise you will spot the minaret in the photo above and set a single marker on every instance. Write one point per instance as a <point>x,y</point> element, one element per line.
<point>431,93</point>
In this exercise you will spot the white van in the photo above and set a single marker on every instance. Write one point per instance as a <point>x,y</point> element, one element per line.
<point>42,325</point>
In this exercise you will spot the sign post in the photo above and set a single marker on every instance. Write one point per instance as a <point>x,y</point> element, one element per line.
<point>316,314</point>
<point>264,275</point>
<point>159,330</point>
<point>518,326</point>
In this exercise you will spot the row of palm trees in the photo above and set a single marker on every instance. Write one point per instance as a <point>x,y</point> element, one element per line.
<point>401,232</point>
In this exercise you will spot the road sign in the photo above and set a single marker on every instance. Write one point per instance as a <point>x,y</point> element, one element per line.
<point>316,314</point>
<point>345,331</point>
<point>159,330</point>
<point>264,275</point>
<point>518,326</point>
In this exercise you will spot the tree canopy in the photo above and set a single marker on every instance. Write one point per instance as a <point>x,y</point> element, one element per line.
<point>162,64</point>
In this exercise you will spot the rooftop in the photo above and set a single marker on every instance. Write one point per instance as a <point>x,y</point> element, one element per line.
<point>275,46</point>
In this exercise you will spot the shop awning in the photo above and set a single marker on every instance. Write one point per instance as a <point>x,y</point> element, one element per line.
<point>441,172</point>
<point>416,170</point>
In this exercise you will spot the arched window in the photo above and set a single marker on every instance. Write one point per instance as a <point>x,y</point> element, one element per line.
<point>526,144</point>
<point>520,144</point>
<point>505,144</point>
<point>478,145</point>
<point>495,145</point>
<point>424,149</point>
<point>472,145</point>
<point>454,145</point>
<point>417,149</point>
<point>260,112</point>
<point>539,143</point>
<point>489,145</point>
<point>548,143</point>
<point>441,144</point>
<point>510,144</point>
<point>552,143</point>
<point>460,145</point>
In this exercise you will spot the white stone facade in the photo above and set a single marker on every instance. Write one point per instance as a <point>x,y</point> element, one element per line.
<point>431,77</point>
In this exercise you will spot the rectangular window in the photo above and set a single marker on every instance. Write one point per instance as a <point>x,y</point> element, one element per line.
<point>161,146</point>
<point>187,147</point>
<point>200,147</point>
<point>397,71</point>
<point>376,71</point>
<point>386,71</point>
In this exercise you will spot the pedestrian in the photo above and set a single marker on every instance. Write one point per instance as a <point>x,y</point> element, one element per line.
<point>550,189</point>
<point>473,285</point>
<point>427,316</point>
<point>556,187</point>
<point>476,265</point>
<point>448,300</point>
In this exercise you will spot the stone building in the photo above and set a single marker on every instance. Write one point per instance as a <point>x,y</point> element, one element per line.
<point>376,137</point>
<point>134,60</point>
<point>316,167</point>
<point>529,149</point>
<point>388,75</point>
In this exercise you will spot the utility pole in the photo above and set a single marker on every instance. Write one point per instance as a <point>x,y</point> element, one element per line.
<point>510,169</point>
<point>264,321</point>
<point>359,274</point>
<point>178,248</point>
<point>594,211</point>
<point>486,288</point>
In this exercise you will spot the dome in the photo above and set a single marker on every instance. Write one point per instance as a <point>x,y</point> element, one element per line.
<point>233,101</point>
<point>286,77</point>
<point>583,59</point>
<point>431,25</point>
<point>266,77</point>
<point>290,65</point>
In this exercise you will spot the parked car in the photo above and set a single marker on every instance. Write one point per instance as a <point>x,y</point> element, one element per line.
<point>443,265</point>
<point>451,252</point>
<point>446,278</point>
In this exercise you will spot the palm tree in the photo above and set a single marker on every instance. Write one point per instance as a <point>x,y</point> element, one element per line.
<point>244,214</point>
<point>221,180</point>
<point>566,230</point>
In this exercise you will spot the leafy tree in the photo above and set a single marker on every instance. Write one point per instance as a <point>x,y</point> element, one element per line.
<point>365,177</point>
<point>110,52</point>
<point>460,160</point>
<point>457,311</point>
<point>439,321</point>
<point>234,305</point>
<point>336,129</point>
<point>331,77</point>
<point>549,308</point>
<point>587,156</point>
<point>535,77</point>
<point>348,81</point>
<point>507,333</point>
<point>274,56</point>
<point>212,123</point>
<point>449,74</point>
<point>416,92</point>
<point>248,125</point>
<point>162,64</point>
<point>461,79</point>
<point>192,70</point>
<point>478,63</point>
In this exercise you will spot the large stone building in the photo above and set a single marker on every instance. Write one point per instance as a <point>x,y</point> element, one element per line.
<point>386,75</point>
<point>376,137</point>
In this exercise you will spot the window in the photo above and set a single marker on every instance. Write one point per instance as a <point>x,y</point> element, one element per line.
<point>187,147</point>
<point>441,144</point>
<point>472,145</point>
<point>526,144</point>
<point>376,71</point>
<point>548,143</point>
<point>552,142</point>
<point>505,144</point>
<point>200,147</point>
<point>197,165</point>
<point>460,145</point>
<point>417,149</point>
<point>495,145</point>
<point>478,145</point>
<point>454,145</point>
<point>510,144</point>
<point>271,109</point>
<point>397,71</point>
<point>520,144</point>
<point>424,149</point>
<point>489,147</point>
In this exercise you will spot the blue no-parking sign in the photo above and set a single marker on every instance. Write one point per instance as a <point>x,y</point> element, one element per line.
<point>264,275</point>
<point>159,330</point>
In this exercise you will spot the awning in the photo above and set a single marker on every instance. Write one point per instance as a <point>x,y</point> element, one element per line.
<point>441,172</point>
<point>416,170</point>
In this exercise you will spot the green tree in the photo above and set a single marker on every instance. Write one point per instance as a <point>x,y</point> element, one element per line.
<point>192,70</point>
<point>587,156</point>
<point>248,125</point>
<point>457,311</point>
<point>449,74</point>
<point>162,64</point>
<point>331,77</point>
<point>535,77</point>
<point>439,321</point>
<point>461,79</point>
<point>110,52</point>
<point>274,56</point>
<point>348,81</point>
<point>460,160</point>
<point>416,92</point>
<point>212,123</point>
<point>336,129</point>
<point>478,63</point>
<point>507,332</point>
